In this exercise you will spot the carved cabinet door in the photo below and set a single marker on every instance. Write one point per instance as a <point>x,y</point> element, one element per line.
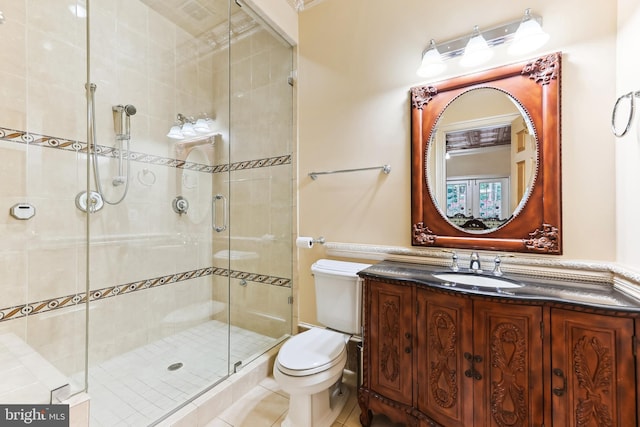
<point>390,333</point>
<point>444,331</point>
<point>507,365</point>
<point>592,370</point>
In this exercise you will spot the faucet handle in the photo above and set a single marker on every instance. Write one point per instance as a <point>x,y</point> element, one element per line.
<point>496,266</point>
<point>454,262</point>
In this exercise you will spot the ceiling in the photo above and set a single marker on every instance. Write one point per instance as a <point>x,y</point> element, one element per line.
<point>205,19</point>
<point>478,138</point>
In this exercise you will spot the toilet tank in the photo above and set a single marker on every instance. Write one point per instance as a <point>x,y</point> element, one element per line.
<point>339,294</point>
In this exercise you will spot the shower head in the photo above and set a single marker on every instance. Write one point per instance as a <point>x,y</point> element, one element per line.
<point>121,123</point>
<point>130,110</point>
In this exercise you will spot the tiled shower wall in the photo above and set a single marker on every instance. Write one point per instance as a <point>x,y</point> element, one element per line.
<point>138,57</point>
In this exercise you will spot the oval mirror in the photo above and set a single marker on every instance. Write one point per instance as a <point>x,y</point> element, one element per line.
<point>481,160</point>
<point>500,189</point>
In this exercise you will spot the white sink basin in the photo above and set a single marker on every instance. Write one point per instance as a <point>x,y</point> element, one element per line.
<point>476,280</point>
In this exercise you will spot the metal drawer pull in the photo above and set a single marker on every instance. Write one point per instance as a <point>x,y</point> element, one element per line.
<point>472,372</point>
<point>560,391</point>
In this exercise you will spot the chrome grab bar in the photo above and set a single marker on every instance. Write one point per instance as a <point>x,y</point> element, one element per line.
<point>225,218</point>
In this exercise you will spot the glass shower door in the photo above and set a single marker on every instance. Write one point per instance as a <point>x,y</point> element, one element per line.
<point>158,324</point>
<point>42,244</point>
<point>260,187</point>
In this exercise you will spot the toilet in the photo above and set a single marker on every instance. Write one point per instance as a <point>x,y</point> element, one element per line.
<point>309,365</point>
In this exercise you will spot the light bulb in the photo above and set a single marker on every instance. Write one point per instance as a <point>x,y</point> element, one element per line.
<point>432,63</point>
<point>477,50</point>
<point>201,126</point>
<point>528,37</point>
<point>188,130</point>
<point>175,132</point>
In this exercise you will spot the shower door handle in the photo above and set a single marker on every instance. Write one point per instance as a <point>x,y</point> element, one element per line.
<point>219,228</point>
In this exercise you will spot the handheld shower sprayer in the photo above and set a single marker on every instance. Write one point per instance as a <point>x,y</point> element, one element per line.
<point>122,128</point>
<point>121,124</point>
<point>121,121</point>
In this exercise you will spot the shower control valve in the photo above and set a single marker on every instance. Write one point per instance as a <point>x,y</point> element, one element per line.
<point>180,205</point>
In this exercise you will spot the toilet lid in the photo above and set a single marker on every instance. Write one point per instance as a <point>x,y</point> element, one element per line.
<point>338,268</point>
<point>312,351</point>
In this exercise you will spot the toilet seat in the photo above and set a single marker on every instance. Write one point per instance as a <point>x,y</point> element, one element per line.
<point>310,352</point>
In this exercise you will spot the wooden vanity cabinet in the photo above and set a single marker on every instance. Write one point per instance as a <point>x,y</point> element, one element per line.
<point>392,329</point>
<point>390,324</point>
<point>479,362</point>
<point>434,357</point>
<point>508,338</point>
<point>443,336</point>
<point>593,370</point>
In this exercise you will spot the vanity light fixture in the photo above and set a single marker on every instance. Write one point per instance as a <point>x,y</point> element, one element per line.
<point>524,35</point>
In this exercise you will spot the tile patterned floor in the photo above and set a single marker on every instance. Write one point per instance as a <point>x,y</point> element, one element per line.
<point>137,388</point>
<point>266,405</point>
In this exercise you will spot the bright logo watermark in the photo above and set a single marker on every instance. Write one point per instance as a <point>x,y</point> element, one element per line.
<point>34,415</point>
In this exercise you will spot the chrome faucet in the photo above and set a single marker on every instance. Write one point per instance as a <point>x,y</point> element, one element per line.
<point>474,263</point>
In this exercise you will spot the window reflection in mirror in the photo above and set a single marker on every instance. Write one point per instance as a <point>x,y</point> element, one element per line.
<point>481,160</point>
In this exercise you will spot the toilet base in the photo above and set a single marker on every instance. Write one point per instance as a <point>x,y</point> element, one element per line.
<point>317,410</point>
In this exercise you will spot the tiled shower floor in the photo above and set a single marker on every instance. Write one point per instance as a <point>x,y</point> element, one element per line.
<point>137,388</point>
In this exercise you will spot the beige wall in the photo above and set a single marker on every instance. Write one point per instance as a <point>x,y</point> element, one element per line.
<point>357,61</point>
<point>628,147</point>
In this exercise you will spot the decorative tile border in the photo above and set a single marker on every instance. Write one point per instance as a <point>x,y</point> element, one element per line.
<point>11,313</point>
<point>23,137</point>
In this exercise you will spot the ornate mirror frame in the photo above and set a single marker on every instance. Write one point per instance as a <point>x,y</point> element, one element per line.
<point>537,228</point>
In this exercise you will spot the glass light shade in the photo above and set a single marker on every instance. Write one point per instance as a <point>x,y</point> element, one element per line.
<point>188,130</point>
<point>528,37</point>
<point>477,51</point>
<point>432,63</point>
<point>202,126</point>
<point>175,132</point>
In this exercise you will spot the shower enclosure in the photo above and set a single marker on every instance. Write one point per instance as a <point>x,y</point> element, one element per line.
<point>147,179</point>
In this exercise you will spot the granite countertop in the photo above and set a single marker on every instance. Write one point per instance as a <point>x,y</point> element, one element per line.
<point>518,286</point>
